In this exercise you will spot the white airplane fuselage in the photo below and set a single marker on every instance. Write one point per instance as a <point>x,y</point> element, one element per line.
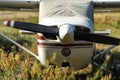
<point>69,52</point>
<point>76,54</point>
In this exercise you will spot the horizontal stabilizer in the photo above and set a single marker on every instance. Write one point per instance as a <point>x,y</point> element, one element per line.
<point>106,3</point>
<point>27,4</point>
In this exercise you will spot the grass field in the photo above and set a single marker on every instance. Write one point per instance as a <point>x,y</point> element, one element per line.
<point>15,64</point>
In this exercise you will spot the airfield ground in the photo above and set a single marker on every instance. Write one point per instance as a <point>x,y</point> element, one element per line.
<point>16,64</point>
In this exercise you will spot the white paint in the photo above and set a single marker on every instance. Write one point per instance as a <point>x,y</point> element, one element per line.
<point>66,33</point>
<point>82,21</point>
<point>12,23</point>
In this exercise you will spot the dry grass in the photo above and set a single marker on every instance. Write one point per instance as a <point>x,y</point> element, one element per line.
<point>107,18</point>
<point>17,15</point>
<point>18,65</point>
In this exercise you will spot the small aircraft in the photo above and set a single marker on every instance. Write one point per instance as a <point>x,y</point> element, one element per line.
<point>66,27</point>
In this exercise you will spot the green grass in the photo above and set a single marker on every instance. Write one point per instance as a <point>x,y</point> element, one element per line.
<point>17,64</point>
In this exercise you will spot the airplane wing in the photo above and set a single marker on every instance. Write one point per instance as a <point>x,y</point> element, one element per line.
<point>106,3</point>
<point>19,3</point>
